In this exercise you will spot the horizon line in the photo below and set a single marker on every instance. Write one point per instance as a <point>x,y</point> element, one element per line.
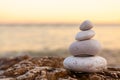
<point>52,24</point>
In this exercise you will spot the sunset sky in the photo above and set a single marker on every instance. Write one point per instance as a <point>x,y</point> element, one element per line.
<point>60,11</point>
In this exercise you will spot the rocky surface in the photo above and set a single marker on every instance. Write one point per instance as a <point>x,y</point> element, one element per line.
<point>47,68</point>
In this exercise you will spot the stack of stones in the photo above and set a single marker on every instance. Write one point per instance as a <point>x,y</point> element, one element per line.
<point>84,52</point>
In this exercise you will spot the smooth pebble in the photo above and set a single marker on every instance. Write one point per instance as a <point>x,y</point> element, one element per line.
<point>86,25</point>
<point>85,64</point>
<point>85,35</point>
<point>85,48</point>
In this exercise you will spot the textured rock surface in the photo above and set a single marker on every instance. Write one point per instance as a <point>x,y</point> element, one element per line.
<point>49,68</point>
<point>85,48</point>
<point>85,35</point>
<point>85,64</point>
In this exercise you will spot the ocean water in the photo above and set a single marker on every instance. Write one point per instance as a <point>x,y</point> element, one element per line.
<point>39,38</point>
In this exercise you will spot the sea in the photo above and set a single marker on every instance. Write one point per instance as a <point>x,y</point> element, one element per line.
<point>52,37</point>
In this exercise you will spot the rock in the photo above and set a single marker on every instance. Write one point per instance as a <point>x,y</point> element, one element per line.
<point>86,25</point>
<point>85,48</point>
<point>85,35</point>
<point>8,79</point>
<point>44,73</point>
<point>85,64</point>
<point>48,72</point>
<point>26,65</point>
<point>8,62</point>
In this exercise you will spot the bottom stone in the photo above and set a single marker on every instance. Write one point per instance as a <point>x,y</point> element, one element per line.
<point>85,64</point>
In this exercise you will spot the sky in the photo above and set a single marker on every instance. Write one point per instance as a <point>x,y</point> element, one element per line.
<point>60,11</point>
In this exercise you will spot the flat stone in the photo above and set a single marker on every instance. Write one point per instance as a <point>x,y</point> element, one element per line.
<point>86,25</point>
<point>85,35</point>
<point>85,64</point>
<point>85,48</point>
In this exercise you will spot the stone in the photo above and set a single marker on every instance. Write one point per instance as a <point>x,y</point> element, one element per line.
<point>85,48</point>
<point>85,64</point>
<point>85,35</point>
<point>86,25</point>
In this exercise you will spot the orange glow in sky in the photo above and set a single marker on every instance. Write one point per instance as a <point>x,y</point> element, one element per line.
<point>59,11</point>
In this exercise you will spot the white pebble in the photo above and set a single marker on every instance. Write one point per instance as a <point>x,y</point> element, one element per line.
<point>85,64</point>
<point>85,35</point>
<point>86,25</point>
<point>84,48</point>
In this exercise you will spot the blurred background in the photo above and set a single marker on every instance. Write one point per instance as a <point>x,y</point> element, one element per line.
<point>48,27</point>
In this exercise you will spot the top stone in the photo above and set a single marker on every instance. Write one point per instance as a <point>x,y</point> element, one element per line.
<point>86,25</point>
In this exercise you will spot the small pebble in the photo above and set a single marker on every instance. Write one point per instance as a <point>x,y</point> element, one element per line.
<point>85,35</point>
<point>85,64</point>
<point>86,25</point>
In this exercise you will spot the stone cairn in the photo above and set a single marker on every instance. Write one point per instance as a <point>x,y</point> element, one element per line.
<point>85,51</point>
